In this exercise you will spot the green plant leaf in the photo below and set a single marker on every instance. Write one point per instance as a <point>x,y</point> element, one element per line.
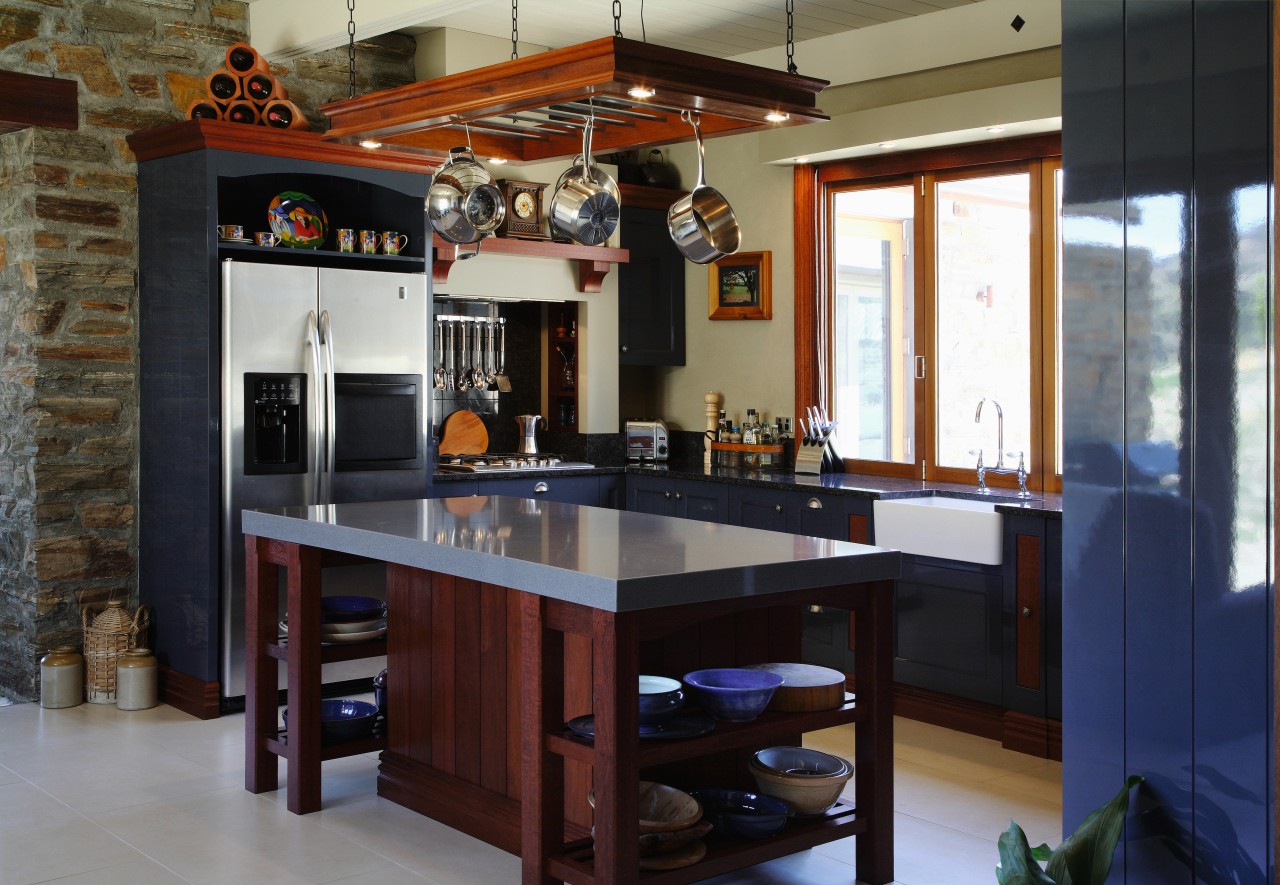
<point>1084,857</point>
<point>1017,862</point>
<point>1042,851</point>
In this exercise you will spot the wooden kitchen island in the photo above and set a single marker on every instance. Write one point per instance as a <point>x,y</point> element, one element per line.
<point>509,616</point>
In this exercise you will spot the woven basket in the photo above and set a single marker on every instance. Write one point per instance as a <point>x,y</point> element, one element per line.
<point>112,631</point>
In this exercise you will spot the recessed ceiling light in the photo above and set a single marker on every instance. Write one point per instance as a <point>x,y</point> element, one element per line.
<point>886,144</point>
<point>777,117</point>
<point>497,161</point>
<point>641,92</point>
<point>370,143</point>
<point>995,129</point>
<point>800,160</point>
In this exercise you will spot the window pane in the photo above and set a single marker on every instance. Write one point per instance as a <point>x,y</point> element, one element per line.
<point>983,316</point>
<point>873,323</point>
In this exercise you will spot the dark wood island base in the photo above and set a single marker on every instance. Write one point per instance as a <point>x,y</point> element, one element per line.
<point>482,678</point>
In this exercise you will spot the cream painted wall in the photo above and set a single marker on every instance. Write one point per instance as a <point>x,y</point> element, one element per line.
<point>540,279</point>
<point>448,51</point>
<point>750,362</point>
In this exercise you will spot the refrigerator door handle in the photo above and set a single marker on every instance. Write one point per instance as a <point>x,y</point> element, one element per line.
<point>316,419</point>
<point>331,415</point>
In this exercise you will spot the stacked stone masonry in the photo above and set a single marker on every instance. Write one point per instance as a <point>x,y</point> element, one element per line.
<point>68,290</point>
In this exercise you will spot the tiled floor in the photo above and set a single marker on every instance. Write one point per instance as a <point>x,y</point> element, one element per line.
<point>94,795</point>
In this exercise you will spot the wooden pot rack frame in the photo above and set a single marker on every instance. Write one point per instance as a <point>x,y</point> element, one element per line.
<point>534,108</point>
<point>594,262</point>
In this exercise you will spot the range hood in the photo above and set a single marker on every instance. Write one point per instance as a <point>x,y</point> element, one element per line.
<point>30,100</point>
<point>534,108</point>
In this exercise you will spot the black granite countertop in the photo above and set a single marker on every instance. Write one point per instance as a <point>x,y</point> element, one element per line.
<point>857,485</point>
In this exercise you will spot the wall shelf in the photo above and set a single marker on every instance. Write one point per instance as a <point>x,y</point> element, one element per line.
<point>594,262</point>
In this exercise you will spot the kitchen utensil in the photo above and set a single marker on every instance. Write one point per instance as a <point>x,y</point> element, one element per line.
<point>528,424</point>
<point>804,440</point>
<point>463,204</point>
<point>680,727</point>
<point>479,380</point>
<point>701,223</point>
<point>806,688</point>
<point>463,433</point>
<point>663,809</point>
<point>503,382</point>
<point>490,357</point>
<point>801,762</point>
<point>734,694</point>
<point>439,373</point>
<point>584,206</point>
<point>742,814</point>
<point>660,699</point>
<point>464,374</point>
<point>450,378</point>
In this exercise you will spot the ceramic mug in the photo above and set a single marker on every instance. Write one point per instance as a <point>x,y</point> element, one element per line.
<point>346,239</point>
<point>369,241</point>
<point>391,244</point>
<point>266,238</point>
<point>231,231</point>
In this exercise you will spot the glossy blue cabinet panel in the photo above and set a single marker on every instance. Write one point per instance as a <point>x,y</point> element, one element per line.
<point>1093,102</point>
<point>1232,608</point>
<point>1167,584</point>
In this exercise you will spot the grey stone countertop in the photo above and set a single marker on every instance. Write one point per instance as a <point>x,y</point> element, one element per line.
<point>606,559</point>
<point>1048,505</point>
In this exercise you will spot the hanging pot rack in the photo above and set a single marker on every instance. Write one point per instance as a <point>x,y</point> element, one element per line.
<point>534,108</point>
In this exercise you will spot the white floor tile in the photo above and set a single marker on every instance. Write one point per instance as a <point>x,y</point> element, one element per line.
<point>42,839</point>
<point>137,872</point>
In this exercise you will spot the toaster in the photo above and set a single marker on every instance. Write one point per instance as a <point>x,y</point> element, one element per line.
<point>646,439</point>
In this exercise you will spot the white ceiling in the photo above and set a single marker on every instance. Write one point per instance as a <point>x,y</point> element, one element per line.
<point>711,27</point>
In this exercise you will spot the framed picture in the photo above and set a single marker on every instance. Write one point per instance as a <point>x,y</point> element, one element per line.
<point>741,287</point>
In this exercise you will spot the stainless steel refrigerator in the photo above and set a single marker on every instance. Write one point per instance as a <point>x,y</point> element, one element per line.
<point>323,401</point>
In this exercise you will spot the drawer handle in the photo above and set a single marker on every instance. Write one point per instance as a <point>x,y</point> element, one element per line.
<point>777,508</point>
<point>540,487</point>
<point>679,497</point>
<point>666,495</point>
<point>1026,612</point>
<point>814,504</point>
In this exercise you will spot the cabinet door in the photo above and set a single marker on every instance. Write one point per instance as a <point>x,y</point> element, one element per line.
<point>613,491</point>
<point>838,517</point>
<point>454,488</point>
<point>758,508</point>
<point>650,494</point>
<point>568,489</point>
<point>650,292</point>
<point>708,501</point>
<point>947,628</point>
<point>1053,618</point>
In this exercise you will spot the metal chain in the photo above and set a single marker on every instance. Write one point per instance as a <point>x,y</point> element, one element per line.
<point>617,18</point>
<point>351,48</point>
<point>515,29</point>
<point>791,36</point>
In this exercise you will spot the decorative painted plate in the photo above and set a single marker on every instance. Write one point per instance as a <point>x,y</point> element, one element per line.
<point>297,220</point>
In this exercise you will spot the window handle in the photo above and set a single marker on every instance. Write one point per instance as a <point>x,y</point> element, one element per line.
<point>919,368</point>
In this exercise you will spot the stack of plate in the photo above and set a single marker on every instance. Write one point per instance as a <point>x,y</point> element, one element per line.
<point>349,619</point>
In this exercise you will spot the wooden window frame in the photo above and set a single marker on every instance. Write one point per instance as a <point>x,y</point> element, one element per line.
<point>1042,154</point>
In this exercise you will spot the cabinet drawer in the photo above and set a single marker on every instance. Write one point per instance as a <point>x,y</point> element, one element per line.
<point>568,489</point>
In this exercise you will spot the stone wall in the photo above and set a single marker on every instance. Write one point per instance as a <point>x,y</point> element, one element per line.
<point>68,289</point>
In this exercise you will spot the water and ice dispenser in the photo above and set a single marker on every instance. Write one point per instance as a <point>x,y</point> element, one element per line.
<point>275,423</point>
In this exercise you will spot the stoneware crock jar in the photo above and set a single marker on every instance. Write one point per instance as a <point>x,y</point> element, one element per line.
<point>61,677</point>
<point>136,680</point>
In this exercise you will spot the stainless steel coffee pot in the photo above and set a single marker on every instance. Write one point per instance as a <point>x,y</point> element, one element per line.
<point>528,425</point>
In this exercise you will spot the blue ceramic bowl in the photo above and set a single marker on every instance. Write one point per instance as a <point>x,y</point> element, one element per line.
<point>660,699</point>
<point>734,694</point>
<point>801,762</point>
<point>343,609</point>
<point>742,814</point>
<point>343,720</point>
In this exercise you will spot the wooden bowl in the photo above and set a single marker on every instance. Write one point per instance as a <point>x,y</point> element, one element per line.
<point>806,688</point>
<point>663,809</point>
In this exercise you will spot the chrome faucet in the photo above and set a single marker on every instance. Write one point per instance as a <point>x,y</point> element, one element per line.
<point>1020,471</point>
<point>977,419</point>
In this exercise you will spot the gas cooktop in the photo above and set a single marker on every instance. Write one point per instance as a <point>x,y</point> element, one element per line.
<point>498,462</point>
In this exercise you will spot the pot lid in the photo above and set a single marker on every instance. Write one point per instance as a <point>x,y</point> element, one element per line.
<point>534,108</point>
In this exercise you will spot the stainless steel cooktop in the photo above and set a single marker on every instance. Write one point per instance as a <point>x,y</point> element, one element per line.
<point>508,462</point>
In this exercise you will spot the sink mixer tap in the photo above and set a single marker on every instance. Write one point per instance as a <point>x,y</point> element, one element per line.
<point>1020,471</point>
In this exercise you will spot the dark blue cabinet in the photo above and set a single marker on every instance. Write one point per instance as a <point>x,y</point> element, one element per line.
<point>667,496</point>
<point>948,634</point>
<point>1033,615</point>
<point>650,290</point>
<point>758,508</point>
<point>567,489</point>
<point>462,488</point>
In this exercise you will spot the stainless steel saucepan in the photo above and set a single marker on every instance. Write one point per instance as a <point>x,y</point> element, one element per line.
<point>584,205</point>
<point>702,223</point>
<point>463,203</point>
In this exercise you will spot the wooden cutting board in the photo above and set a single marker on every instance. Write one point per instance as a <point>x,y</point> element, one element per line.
<point>807,688</point>
<point>463,433</point>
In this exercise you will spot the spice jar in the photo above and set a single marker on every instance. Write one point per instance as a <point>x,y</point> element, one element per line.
<point>61,677</point>
<point>137,677</point>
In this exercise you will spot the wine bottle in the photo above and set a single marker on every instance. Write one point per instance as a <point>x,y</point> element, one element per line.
<point>204,109</point>
<point>223,85</point>
<point>244,59</point>
<point>263,87</point>
<point>242,112</point>
<point>283,114</point>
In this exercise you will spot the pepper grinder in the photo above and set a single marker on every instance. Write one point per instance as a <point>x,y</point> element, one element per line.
<point>712,399</point>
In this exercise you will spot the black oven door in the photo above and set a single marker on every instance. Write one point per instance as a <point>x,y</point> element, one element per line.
<point>378,422</point>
